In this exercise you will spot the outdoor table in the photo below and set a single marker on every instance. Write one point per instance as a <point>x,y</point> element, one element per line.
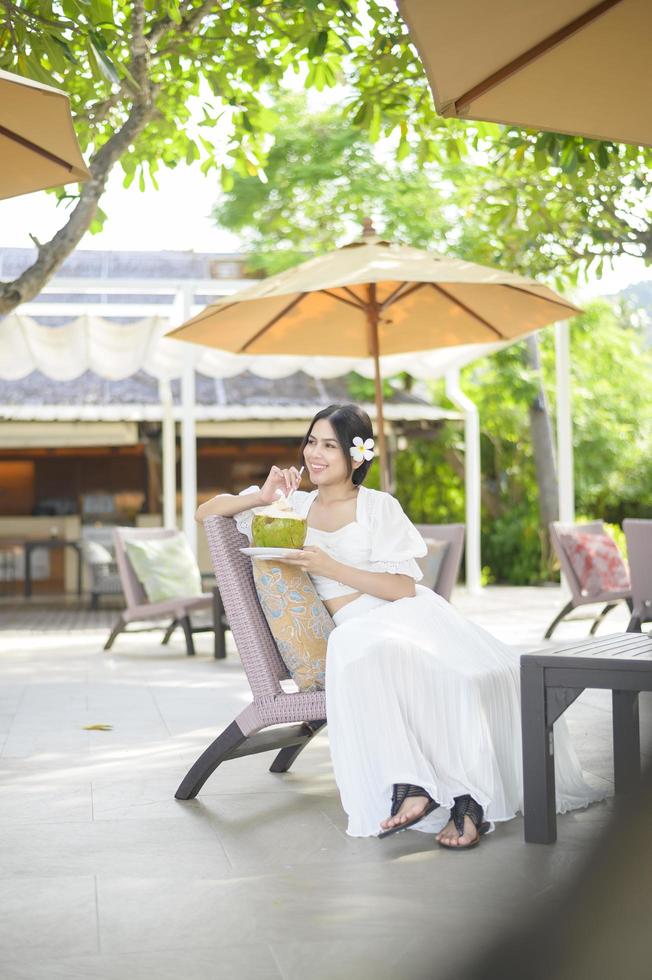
<point>550,682</point>
<point>31,544</point>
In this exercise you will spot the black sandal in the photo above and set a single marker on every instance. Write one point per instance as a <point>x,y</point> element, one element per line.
<point>401,793</point>
<point>466,806</point>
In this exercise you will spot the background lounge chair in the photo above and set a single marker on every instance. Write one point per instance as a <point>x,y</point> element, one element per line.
<point>639,554</point>
<point>178,609</point>
<point>99,557</point>
<point>579,596</point>
<point>449,569</point>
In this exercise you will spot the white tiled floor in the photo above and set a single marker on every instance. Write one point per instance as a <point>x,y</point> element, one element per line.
<point>104,875</point>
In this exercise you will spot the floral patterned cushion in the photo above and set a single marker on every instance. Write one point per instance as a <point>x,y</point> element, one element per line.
<point>298,619</point>
<point>597,562</point>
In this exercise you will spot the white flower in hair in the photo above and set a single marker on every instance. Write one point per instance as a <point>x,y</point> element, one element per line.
<point>362,449</point>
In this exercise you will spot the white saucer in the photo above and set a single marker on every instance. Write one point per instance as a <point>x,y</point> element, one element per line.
<point>270,552</point>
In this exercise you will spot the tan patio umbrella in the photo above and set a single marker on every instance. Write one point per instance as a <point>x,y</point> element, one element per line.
<point>38,146</point>
<point>569,66</point>
<point>373,298</point>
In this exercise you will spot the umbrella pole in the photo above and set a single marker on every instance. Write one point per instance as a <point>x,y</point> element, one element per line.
<point>372,321</point>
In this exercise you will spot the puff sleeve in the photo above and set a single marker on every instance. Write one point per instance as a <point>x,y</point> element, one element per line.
<point>396,543</point>
<point>245,518</point>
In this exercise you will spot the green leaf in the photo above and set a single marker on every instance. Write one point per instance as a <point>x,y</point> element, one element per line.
<point>172,7</point>
<point>97,224</point>
<point>363,115</point>
<point>541,160</point>
<point>403,150</point>
<point>318,45</point>
<point>101,12</point>
<point>374,125</point>
<point>603,156</point>
<point>104,63</point>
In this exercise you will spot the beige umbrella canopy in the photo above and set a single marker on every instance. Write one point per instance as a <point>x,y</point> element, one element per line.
<point>38,146</point>
<point>373,298</point>
<point>569,66</point>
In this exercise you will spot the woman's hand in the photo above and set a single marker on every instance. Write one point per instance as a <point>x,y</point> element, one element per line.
<point>278,479</point>
<point>315,561</point>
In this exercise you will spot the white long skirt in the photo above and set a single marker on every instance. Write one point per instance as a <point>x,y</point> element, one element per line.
<point>417,694</point>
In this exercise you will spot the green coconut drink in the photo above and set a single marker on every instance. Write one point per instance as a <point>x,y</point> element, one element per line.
<point>277,526</point>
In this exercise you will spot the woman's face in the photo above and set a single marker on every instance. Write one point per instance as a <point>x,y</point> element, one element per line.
<point>324,457</point>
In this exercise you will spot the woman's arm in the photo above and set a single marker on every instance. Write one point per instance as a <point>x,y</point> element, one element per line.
<point>228,504</point>
<point>384,585</point>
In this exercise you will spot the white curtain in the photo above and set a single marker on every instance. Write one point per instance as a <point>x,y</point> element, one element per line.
<point>118,350</point>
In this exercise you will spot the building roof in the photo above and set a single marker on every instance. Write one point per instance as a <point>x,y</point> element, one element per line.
<point>137,398</point>
<point>105,264</point>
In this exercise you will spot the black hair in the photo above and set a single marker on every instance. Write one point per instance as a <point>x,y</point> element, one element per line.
<point>348,421</point>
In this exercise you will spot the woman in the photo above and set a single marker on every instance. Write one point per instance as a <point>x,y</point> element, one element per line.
<point>423,706</point>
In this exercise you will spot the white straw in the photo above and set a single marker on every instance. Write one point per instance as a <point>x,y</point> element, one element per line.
<point>294,488</point>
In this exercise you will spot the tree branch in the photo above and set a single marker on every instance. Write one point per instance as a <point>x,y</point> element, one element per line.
<point>139,46</point>
<point>52,254</point>
<point>98,111</point>
<point>190,19</point>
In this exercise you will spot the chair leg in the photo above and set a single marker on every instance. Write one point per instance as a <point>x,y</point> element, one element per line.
<point>634,625</point>
<point>565,611</point>
<point>598,619</point>
<point>169,631</point>
<point>184,623</point>
<point>117,629</point>
<point>220,642</point>
<point>218,626</point>
<point>95,601</point>
<point>287,756</point>
<point>209,760</point>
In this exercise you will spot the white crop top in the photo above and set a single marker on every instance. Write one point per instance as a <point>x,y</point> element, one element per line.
<point>380,539</point>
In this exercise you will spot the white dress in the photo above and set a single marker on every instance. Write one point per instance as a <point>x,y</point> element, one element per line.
<point>417,694</point>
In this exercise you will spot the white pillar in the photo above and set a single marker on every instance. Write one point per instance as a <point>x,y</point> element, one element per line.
<point>188,433</point>
<point>169,455</point>
<point>471,479</point>
<point>564,424</point>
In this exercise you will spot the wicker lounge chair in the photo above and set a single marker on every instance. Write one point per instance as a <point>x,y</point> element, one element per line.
<point>578,596</point>
<point>639,555</point>
<point>300,714</point>
<point>178,610</point>
<point>450,566</point>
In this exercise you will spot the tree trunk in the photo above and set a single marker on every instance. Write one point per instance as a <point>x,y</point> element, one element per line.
<point>544,454</point>
<point>490,500</point>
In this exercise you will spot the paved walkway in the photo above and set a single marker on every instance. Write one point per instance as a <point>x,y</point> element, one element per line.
<point>104,876</point>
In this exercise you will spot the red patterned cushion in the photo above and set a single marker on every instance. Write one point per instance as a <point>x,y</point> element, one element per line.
<point>597,562</point>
